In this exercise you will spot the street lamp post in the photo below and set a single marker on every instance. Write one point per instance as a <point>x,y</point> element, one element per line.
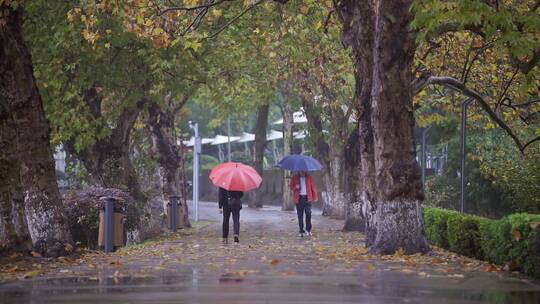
<point>424,136</point>
<point>464,106</point>
<point>196,163</point>
<point>229,139</point>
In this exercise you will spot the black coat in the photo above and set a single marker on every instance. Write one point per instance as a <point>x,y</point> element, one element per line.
<point>234,199</point>
<point>236,194</point>
<point>223,198</point>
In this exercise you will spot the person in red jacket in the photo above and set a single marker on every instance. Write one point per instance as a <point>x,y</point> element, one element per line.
<point>304,193</point>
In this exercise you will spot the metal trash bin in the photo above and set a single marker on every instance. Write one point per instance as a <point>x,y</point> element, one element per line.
<point>173,213</point>
<point>118,240</point>
<point>118,220</point>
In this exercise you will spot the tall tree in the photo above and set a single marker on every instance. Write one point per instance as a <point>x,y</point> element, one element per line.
<point>261,125</point>
<point>19,94</point>
<point>398,218</point>
<point>13,227</point>
<point>287,112</point>
<point>169,154</point>
<point>354,215</point>
<point>396,189</point>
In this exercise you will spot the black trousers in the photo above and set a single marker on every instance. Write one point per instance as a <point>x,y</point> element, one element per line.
<point>236,220</point>
<point>302,207</point>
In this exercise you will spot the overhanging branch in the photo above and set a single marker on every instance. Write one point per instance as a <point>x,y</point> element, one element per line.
<point>458,86</point>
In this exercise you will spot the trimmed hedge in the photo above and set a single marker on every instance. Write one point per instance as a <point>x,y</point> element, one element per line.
<point>512,241</point>
<point>436,228</point>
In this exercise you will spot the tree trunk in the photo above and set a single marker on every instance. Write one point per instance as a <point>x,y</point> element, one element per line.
<point>398,218</point>
<point>382,51</point>
<point>330,153</point>
<point>43,206</point>
<point>107,160</point>
<point>334,197</point>
<point>255,199</point>
<point>13,229</point>
<point>288,203</point>
<point>358,25</point>
<point>169,158</point>
<point>354,218</point>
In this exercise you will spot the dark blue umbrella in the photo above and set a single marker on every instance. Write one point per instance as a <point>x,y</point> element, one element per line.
<point>298,162</point>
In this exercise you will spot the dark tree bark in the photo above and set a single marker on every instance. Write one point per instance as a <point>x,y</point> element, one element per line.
<point>169,157</point>
<point>398,180</point>
<point>20,96</point>
<point>330,154</point>
<point>354,218</point>
<point>254,200</point>
<point>13,228</point>
<point>315,128</point>
<point>328,149</point>
<point>393,191</point>
<point>288,203</point>
<point>107,160</point>
<point>358,26</point>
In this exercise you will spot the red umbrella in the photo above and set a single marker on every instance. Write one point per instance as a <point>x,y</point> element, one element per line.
<point>235,177</point>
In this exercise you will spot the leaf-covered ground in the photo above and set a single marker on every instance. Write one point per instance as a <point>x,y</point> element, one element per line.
<point>269,247</point>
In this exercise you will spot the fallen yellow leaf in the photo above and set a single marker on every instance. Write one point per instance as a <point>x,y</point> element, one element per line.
<point>31,274</point>
<point>370,267</point>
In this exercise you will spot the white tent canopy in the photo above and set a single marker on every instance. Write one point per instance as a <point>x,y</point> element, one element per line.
<point>191,141</point>
<point>222,139</point>
<point>273,135</point>
<point>246,137</point>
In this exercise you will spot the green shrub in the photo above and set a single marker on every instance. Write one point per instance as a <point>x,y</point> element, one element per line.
<point>435,222</point>
<point>515,241</point>
<point>464,235</point>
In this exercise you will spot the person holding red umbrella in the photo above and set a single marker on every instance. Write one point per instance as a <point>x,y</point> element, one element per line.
<point>230,203</point>
<point>233,179</point>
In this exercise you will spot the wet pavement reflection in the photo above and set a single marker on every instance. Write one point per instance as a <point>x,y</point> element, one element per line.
<point>194,287</point>
<point>295,278</point>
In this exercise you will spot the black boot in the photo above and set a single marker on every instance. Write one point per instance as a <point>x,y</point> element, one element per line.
<point>236,239</point>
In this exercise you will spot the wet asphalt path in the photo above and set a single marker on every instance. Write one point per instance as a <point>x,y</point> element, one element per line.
<point>270,265</point>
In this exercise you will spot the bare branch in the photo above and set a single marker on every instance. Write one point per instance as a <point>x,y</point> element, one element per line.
<point>507,86</point>
<point>458,86</point>
<point>327,21</point>
<point>526,66</point>
<point>224,27</point>
<point>530,142</point>
<point>192,8</point>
